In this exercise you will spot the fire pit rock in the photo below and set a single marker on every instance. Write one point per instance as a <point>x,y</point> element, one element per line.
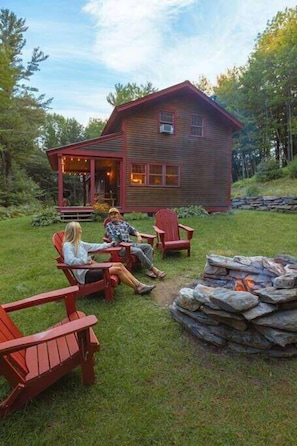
<point>245,304</point>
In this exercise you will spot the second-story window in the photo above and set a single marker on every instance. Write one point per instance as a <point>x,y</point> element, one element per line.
<point>197,125</point>
<point>166,122</point>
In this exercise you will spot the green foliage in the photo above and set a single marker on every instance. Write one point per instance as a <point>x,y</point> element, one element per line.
<point>292,168</point>
<point>100,211</point>
<point>136,216</point>
<point>129,92</point>
<point>252,191</point>
<point>23,189</point>
<point>191,211</point>
<point>46,217</point>
<point>18,211</point>
<point>268,170</point>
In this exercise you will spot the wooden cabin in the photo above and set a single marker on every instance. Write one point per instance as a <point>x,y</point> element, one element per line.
<point>168,149</point>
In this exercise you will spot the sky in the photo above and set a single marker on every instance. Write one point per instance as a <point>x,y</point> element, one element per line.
<point>94,44</point>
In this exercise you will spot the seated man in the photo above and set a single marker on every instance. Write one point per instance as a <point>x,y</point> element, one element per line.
<point>118,230</point>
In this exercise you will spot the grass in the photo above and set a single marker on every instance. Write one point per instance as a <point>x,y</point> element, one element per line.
<point>155,384</point>
<point>281,187</point>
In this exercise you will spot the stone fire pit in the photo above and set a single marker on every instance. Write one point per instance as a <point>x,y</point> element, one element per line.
<point>245,304</point>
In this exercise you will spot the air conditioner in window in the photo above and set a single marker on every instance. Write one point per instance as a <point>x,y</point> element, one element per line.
<point>166,128</point>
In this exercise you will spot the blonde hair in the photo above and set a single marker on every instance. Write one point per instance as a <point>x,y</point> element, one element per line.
<point>73,233</point>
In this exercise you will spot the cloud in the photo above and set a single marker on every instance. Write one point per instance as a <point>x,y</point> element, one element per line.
<point>172,40</point>
<point>131,33</point>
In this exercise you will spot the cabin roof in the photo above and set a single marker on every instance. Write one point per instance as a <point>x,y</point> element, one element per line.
<point>124,110</point>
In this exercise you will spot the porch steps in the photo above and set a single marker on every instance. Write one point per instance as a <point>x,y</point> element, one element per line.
<point>76,215</point>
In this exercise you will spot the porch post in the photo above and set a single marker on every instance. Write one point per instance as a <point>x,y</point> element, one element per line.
<point>93,174</point>
<point>60,182</point>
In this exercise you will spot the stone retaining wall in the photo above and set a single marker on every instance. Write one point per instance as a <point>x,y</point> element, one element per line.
<point>266,203</point>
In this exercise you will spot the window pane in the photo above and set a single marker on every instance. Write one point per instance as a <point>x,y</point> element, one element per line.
<point>196,131</point>
<point>172,176</point>
<point>138,174</point>
<point>196,125</point>
<point>166,117</point>
<point>156,168</point>
<point>155,174</point>
<point>197,120</point>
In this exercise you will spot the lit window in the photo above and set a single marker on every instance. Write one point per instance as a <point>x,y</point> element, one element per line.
<point>196,125</point>
<point>172,176</point>
<point>138,174</point>
<point>155,175</point>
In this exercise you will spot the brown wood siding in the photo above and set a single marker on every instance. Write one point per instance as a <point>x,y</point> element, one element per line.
<point>204,162</point>
<point>114,145</point>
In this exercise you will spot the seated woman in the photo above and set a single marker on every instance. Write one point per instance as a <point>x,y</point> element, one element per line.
<point>76,252</point>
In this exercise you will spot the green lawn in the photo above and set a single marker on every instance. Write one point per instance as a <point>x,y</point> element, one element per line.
<point>155,385</point>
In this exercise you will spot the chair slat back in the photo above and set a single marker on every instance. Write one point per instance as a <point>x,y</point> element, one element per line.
<point>58,240</point>
<point>13,365</point>
<point>166,219</point>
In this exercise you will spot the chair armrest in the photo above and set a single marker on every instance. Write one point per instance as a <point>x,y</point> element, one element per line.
<point>47,335</point>
<point>39,299</point>
<point>150,238</point>
<point>94,265</point>
<point>189,230</point>
<point>158,230</point>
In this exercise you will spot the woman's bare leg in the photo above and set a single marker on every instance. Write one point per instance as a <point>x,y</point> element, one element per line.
<point>126,277</point>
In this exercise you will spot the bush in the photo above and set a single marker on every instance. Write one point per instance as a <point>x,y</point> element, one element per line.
<point>136,216</point>
<point>292,168</point>
<point>191,211</point>
<point>47,217</point>
<point>100,211</point>
<point>268,170</point>
<point>19,211</point>
<point>252,191</point>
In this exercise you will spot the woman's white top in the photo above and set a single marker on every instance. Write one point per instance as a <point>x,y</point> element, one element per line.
<point>80,256</point>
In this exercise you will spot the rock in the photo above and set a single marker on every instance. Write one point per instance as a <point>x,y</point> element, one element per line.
<point>198,316</point>
<point>284,320</point>
<point>259,310</point>
<point>279,337</point>
<point>186,300</point>
<point>232,319</point>
<point>272,295</point>
<point>286,281</point>
<point>234,301</point>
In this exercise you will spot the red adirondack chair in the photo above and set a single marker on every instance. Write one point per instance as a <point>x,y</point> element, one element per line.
<point>106,284</point>
<point>130,260</point>
<point>32,363</point>
<point>168,232</point>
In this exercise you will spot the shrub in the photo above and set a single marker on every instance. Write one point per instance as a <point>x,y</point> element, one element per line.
<point>100,211</point>
<point>136,216</point>
<point>47,217</point>
<point>191,211</point>
<point>252,191</point>
<point>19,211</point>
<point>268,170</point>
<point>292,168</point>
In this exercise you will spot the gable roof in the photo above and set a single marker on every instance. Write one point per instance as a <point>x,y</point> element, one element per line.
<point>124,110</point>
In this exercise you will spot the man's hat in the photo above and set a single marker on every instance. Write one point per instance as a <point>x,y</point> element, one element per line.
<point>113,211</point>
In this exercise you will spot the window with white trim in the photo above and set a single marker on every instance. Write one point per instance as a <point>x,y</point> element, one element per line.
<point>166,117</point>
<point>197,125</point>
<point>137,174</point>
<point>165,175</point>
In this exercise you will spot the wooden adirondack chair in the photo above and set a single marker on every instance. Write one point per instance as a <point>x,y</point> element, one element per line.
<point>130,260</point>
<point>106,284</point>
<point>168,232</point>
<point>32,363</point>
